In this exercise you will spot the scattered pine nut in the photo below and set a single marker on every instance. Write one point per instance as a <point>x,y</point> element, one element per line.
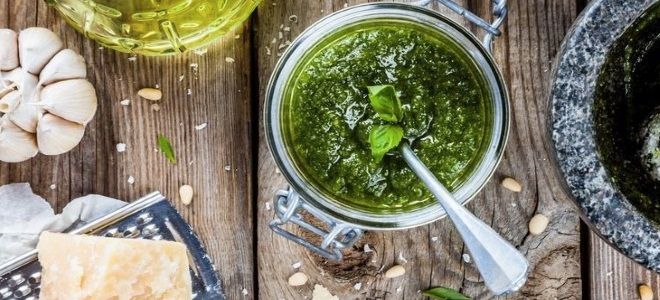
<point>395,271</point>
<point>511,184</point>
<point>645,292</point>
<point>186,194</point>
<point>298,279</point>
<point>537,224</point>
<point>150,94</point>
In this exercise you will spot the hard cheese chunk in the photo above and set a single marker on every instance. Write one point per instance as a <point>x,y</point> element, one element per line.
<point>97,268</point>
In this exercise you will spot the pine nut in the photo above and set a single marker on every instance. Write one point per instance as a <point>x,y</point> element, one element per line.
<point>186,193</point>
<point>150,94</point>
<point>537,224</point>
<point>395,271</point>
<point>511,184</point>
<point>298,279</point>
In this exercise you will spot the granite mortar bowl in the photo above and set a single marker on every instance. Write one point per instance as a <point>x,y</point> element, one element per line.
<point>605,86</point>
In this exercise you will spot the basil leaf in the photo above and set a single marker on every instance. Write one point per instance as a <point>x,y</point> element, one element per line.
<point>166,147</point>
<point>443,293</point>
<point>384,100</point>
<point>384,138</point>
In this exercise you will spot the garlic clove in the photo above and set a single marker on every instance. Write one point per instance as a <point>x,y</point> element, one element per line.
<point>9,102</point>
<point>36,46</point>
<point>56,136</point>
<point>73,100</point>
<point>8,50</point>
<point>22,80</point>
<point>26,116</point>
<point>66,64</point>
<point>16,145</point>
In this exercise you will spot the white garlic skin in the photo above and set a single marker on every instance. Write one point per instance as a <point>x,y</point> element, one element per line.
<point>56,136</point>
<point>73,100</point>
<point>36,46</point>
<point>9,102</point>
<point>8,49</point>
<point>66,64</point>
<point>16,145</point>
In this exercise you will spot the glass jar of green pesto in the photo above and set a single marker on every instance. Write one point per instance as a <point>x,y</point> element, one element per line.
<point>318,117</point>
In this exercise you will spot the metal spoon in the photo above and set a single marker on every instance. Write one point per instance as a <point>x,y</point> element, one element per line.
<point>502,266</point>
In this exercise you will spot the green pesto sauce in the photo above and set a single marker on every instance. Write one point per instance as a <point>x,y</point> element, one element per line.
<point>446,103</point>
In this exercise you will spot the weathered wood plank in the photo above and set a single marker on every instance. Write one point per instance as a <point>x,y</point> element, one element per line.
<point>532,35</point>
<point>221,212</point>
<point>613,275</point>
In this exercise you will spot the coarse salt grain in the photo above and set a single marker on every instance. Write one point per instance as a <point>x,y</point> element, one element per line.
<point>402,259</point>
<point>201,51</point>
<point>268,206</point>
<point>227,168</point>
<point>132,58</point>
<point>467,258</point>
<point>189,92</point>
<point>268,51</point>
<point>296,265</point>
<point>125,102</point>
<point>229,59</point>
<point>367,249</point>
<point>121,147</point>
<point>131,180</point>
<point>358,286</point>
<point>201,126</point>
<point>181,77</point>
<point>245,292</point>
<point>53,186</point>
<point>434,239</point>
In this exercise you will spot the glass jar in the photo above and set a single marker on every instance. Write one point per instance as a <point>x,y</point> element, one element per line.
<point>345,223</point>
<point>154,27</point>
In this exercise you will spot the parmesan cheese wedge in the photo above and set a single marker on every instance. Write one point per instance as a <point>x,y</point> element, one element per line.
<point>77,267</point>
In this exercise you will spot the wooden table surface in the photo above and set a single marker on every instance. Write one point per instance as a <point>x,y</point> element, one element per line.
<point>235,177</point>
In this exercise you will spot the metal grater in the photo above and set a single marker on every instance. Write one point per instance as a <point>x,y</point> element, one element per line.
<point>151,217</point>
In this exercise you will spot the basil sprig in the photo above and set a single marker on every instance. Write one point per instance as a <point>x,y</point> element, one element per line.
<point>384,100</point>
<point>443,293</point>
<point>383,138</point>
<point>166,147</point>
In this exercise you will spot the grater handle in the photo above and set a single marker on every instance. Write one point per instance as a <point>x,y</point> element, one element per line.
<point>492,29</point>
<point>289,205</point>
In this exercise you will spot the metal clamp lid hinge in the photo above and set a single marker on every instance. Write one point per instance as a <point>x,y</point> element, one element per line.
<point>288,206</point>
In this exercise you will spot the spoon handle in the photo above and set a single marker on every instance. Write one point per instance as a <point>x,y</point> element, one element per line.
<point>502,266</point>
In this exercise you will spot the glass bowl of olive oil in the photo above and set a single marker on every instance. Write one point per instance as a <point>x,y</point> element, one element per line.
<point>154,27</point>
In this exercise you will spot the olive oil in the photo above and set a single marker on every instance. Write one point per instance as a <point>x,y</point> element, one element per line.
<point>154,27</point>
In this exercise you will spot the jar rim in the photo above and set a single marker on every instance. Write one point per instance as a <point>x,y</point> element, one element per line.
<point>396,11</point>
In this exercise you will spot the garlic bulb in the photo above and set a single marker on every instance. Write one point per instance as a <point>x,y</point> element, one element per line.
<point>73,100</point>
<point>36,46</point>
<point>56,135</point>
<point>9,50</point>
<point>16,145</point>
<point>66,64</point>
<point>45,100</point>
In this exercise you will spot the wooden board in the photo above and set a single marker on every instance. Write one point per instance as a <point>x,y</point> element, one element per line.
<point>230,212</point>
<point>532,35</point>
<point>221,212</point>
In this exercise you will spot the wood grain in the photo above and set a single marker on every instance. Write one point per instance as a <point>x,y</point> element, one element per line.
<point>532,35</point>
<point>614,276</point>
<point>221,94</point>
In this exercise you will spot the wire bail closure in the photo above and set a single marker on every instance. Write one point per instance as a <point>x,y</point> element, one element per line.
<point>338,236</point>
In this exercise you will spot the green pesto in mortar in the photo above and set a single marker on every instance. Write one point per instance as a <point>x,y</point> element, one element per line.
<point>328,116</point>
<point>626,96</point>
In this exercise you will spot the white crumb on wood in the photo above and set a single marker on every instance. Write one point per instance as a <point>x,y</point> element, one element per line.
<point>121,147</point>
<point>201,126</point>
